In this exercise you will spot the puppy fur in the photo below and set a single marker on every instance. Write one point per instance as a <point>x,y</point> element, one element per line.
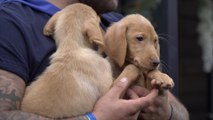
<point>77,75</point>
<point>134,41</point>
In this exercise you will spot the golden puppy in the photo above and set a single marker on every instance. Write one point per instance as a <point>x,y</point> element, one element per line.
<point>77,75</point>
<point>133,41</point>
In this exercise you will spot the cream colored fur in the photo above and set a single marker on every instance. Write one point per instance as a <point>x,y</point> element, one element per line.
<point>77,75</point>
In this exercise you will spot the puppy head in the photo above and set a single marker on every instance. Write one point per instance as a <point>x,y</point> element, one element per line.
<point>73,21</point>
<point>133,39</point>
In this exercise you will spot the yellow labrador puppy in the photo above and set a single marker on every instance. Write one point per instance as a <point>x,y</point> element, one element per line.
<point>134,41</point>
<point>77,75</point>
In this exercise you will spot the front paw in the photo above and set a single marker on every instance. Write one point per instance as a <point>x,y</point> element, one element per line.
<point>161,79</point>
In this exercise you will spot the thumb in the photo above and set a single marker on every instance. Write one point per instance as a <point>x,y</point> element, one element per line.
<point>119,88</point>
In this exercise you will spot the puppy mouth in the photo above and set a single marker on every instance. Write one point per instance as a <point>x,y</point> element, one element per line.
<point>142,67</point>
<point>146,68</point>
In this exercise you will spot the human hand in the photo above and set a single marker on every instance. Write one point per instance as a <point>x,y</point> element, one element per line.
<point>112,107</point>
<point>159,109</point>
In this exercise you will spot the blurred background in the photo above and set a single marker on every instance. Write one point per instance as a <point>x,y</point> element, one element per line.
<point>185,28</point>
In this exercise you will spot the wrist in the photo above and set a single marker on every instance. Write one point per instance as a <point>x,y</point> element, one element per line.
<point>100,115</point>
<point>90,116</point>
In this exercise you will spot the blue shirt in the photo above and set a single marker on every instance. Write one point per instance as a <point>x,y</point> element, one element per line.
<point>24,50</point>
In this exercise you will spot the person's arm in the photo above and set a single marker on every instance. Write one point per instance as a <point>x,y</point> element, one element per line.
<point>11,92</point>
<point>179,112</point>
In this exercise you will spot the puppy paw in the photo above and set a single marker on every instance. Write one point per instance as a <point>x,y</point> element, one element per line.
<point>161,79</point>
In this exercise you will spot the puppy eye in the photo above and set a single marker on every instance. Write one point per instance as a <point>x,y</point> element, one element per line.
<point>140,38</point>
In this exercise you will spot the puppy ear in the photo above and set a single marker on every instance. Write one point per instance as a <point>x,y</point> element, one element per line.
<point>49,28</point>
<point>116,43</point>
<point>93,32</point>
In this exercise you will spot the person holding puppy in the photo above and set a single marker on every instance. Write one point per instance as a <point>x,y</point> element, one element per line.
<point>25,51</point>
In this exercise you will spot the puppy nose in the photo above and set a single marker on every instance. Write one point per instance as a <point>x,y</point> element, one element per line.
<point>155,63</point>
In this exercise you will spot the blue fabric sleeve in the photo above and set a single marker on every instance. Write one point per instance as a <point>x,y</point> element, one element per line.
<point>41,5</point>
<point>12,51</point>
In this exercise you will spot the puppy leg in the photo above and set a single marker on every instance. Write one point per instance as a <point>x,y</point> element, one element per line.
<point>49,28</point>
<point>162,79</point>
<point>131,73</point>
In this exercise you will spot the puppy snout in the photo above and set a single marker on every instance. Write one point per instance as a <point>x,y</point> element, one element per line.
<point>155,63</point>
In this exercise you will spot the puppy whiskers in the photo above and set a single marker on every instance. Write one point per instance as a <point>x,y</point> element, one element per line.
<point>164,66</point>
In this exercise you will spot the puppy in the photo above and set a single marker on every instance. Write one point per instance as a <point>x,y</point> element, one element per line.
<point>134,42</point>
<point>77,75</point>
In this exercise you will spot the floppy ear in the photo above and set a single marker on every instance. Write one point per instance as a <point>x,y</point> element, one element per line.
<point>116,43</point>
<point>49,28</point>
<point>93,32</point>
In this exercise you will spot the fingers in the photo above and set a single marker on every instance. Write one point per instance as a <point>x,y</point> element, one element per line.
<point>141,91</point>
<point>143,102</point>
<point>131,94</point>
<point>119,88</point>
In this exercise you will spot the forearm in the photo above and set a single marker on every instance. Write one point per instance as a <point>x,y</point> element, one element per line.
<point>11,93</point>
<point>19,115</point>
<point>179,111</point>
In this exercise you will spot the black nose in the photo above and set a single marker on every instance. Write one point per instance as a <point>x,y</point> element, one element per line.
<point>155,63</point>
